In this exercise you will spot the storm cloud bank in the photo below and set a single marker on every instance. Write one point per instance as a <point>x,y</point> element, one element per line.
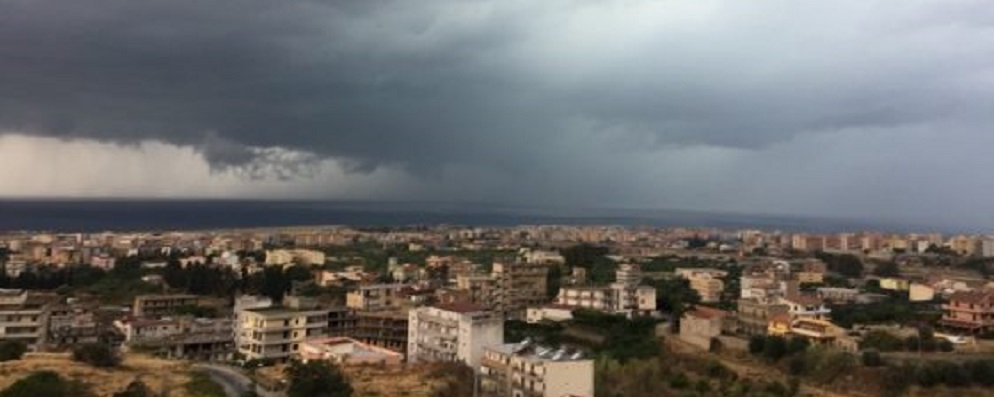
<point>854,108</point>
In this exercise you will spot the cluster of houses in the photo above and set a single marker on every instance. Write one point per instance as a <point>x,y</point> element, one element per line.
<point>772,302</point>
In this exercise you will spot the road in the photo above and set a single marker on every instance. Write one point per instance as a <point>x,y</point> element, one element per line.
<point>235,383</point>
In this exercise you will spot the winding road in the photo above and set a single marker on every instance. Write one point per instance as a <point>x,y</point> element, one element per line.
<point>234,382</point>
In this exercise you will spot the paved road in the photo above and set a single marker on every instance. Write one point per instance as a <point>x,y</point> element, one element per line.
<point>234,382</point>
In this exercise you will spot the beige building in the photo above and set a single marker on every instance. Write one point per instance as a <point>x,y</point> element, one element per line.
<point>22,318</point>
<point>158,305</point>
<point>376,297</point>
<point>707,282</point>
<point>519,285</point>
<point>699,326</point>
<point>276,332</point>
<point>453,332</point>
<point>294,256</point>
<point>525,370</point>
<point>479,289</point>
<point>624,296</point>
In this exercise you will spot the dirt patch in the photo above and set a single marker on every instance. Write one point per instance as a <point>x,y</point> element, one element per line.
<point>159,375</point>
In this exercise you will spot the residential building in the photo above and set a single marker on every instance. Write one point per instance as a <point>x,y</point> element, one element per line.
<point>375,297</point>
<point>386,329</point>
<point>624,296</point>
<point>707,282</point>
<point>527,370</point>
<point>159,305</point>
<point>519,286</point>
<point>810,272</point>
<point>918,292</point>
<point>699,326</point>
<point>452,332</point>
<point>837,294</point>
<point>348,351</point>
<point>294,256</point>
<point>69,325</point>
<point>22,317</point>
<point>552,312</point>
<point>971,311</point>
<point>181,337</point>
<point>480,289</point>
<point>276,332</point>
<point>754,315</point>
<point>805,305</point>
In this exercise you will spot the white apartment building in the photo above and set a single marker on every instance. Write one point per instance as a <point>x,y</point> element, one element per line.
<point>707,282</point>
<point>624,296</point>
<point>276,332</point>
<point>20,318</point>
<point>452,332</point>
<point>294,256</point>
<point>525,370</point>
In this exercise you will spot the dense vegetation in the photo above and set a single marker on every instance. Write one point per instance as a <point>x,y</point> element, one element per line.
<point>96,354</point>
<point>46,384</point>
<point>316,379</point>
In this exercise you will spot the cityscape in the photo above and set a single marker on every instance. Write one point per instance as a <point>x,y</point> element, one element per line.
<point>503,311</point>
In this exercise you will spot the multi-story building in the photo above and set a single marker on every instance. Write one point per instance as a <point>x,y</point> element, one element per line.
<point>526,370</point>
<point>699,326</point>
<point>624,296</point>
<point>375,297</point>
<point>754,315</point>
<point>158,305</point>
<point>480,289</point>
<point>348,351</point>
<point>810,272</point>
<point>803,305</point>
<point>971,311</point>
<point>294,256</point>
<point>180,337</point>
<point>22,318</point>
<point>707,282</point>
<point>452,332</point>
<point>276,332</point>
<point>519,285</point>
<point>69,325</point>
<point>387,329</point>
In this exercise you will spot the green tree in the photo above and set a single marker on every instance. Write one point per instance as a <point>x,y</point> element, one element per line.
<point>316,379</point>
<point>136,388</point>
<point>12,350</point>
<point>97,355</point>
<point>46,384</point>
<point>775,348</point>
<point>871,358</point>
<point>887,269</point>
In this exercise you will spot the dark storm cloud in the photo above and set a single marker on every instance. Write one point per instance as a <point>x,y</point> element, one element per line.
<point>422,84</point>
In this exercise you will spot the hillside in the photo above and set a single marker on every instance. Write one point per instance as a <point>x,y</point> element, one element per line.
<point>158,374</point>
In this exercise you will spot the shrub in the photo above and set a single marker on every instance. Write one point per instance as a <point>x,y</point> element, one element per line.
<point>679,381</point>
<point>46,384</point>
<point>945,345</point>
<point>775,348</point>
<point>96,354</point>
<point>136,388</point>
<point>981,371</point>
<point>797,345</point>
<point>871,358</point>
<point>12,350</point>
<point>883,341</point>
<point>756,344</point>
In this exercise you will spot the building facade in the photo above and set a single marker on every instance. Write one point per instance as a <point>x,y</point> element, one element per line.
<point>452,332</point>
<point>526,370</point>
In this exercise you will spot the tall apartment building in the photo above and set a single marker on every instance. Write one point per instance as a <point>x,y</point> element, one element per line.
<point>479,289</point>
<point>22,318</point>
<point>452,332</point>
<point>276,332</point>
<point>519,285</point>
<point>69,325</point>
<point>180,337</point>
<point>525,370</point>
<point>159,305</point>
<point>386,329</point>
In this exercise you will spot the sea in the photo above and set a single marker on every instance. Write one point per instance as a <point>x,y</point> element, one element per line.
<point>163,215</point>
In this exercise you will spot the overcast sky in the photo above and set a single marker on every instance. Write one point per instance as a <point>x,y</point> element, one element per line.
<point>861,108</point>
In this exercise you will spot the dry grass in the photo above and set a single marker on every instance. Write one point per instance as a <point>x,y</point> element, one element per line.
<point>156,373</point>
<point>415,380</point>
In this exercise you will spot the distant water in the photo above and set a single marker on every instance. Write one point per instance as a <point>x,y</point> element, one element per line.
<point>132,215</point>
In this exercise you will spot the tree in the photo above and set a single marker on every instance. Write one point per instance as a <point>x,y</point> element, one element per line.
<point>12,350</point>
<point>316,379</point>
<point>871,358</point>
<point>756,343</point>
<point>887,269</point>
<point>46,384</point>
<point>136,388</point>
<point>775,348</point>
<point>797,345</point>
<point>96,354</point>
